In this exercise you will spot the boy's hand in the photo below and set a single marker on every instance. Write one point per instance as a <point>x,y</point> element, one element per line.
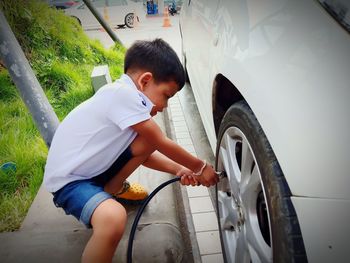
<point>208,176</point>
<point>187,177</point>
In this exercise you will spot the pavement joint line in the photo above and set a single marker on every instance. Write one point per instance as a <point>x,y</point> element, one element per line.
<point>202,212</point>
<point>201,196</point>
<point>204,231</point>
<point>183,135</point>
<point>209,254</point>
<point>178,121</point>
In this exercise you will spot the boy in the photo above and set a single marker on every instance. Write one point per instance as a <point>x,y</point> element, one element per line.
<point>103,140</point>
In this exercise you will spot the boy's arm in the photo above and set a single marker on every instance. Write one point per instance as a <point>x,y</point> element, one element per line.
<point>160,162</point>
<point>154,135</point>
<point>150,130</point>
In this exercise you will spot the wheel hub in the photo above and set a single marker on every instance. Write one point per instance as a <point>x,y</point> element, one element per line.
<point>241,217</point>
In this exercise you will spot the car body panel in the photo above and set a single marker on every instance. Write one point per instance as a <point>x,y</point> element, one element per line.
<point>291,62</point>
<point>324,224</point>
<point>116,12</point>
<point>199,53</point>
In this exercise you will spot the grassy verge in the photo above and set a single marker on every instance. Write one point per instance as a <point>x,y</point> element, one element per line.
<point>62,57</point>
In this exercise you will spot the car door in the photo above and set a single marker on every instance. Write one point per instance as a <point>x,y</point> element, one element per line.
<point>201,39</point>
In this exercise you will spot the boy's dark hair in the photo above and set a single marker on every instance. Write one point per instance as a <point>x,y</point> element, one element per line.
<point>156,57</point>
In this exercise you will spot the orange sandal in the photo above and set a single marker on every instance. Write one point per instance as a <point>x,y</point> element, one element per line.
<point>131,194</point>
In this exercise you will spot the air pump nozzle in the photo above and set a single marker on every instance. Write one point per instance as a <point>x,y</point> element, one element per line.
<point>221,174</point>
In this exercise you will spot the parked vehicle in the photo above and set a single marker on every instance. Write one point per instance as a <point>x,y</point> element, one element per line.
<point>172,8</point>
<point>272,83</point>
<point>116,12</point>
<point>62,4</point>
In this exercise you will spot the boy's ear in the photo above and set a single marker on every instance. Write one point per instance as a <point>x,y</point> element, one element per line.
<point>143,79</point>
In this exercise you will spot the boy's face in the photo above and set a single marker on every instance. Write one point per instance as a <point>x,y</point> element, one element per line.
<point>159,94</point>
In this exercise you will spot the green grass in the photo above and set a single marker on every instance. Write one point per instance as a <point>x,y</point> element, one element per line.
<point>62,57</point>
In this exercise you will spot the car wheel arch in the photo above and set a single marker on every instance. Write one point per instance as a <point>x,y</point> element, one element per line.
<point>224,95</point>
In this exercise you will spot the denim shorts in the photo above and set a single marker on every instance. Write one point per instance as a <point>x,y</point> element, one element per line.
<point>81,198</point>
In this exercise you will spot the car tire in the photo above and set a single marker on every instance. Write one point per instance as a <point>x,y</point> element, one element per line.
<point>184,62</point>
<point>129,20</point>
<point>187,78</point>
<point>257,220</point>
<point>77,19</point>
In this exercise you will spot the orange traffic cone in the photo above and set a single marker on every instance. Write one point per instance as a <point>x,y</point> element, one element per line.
<point>166,19</point>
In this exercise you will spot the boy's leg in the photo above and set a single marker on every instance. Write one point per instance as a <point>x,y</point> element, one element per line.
<point>109,218</point>
<point>141,150</point>
<point>108,222</point>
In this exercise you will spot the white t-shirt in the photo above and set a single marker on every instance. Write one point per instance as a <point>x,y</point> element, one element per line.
<point>95,133</point>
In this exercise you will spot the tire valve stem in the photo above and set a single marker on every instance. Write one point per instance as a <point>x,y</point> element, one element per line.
<point>221,174</point>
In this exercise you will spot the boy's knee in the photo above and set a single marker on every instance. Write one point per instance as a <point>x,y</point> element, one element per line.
<point>140,147</point>
<point>110,221</point>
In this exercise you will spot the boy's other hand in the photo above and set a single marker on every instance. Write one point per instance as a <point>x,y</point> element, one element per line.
<point>208,177</point>
<point>187,177</point>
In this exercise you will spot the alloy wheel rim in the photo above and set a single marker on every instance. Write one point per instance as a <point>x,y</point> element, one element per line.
<point>241,202</point>
<point>130,20</point>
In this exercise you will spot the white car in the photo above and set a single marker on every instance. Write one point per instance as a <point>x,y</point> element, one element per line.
<point>115,12</point>
<point>271,79</point>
